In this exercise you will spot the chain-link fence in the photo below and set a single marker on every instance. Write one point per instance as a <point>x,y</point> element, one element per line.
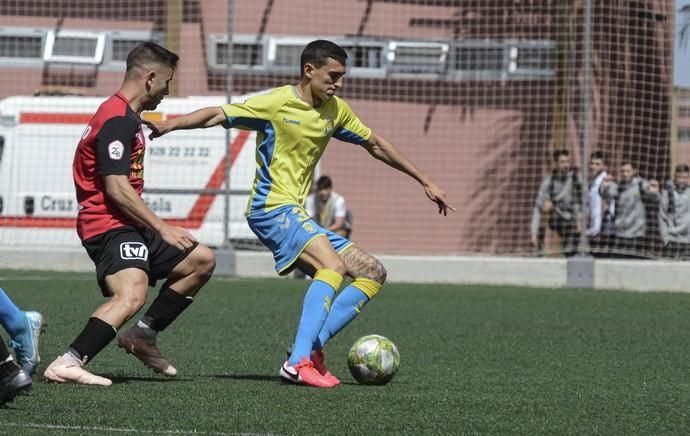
<point>479,94</point>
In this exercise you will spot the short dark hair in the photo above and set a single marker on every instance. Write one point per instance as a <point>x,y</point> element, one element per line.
<point>682,168</point>
<point>317,53</point>
<point>324,182</point>
<point>150,52</point>
<point>557,153</point>
<point>628,162</point>
<point>598,155</point>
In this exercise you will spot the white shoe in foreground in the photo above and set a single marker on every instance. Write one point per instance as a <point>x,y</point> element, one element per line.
<point>61,371</point>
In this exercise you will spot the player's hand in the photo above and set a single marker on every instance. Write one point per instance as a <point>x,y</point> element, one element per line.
<point>437,195</point>
<point>158,128</point>
<point>178,237</point>
<point>534,241</point>
<point>548,206</point>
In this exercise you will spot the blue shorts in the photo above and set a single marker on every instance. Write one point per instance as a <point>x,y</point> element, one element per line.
<point>287,230</point>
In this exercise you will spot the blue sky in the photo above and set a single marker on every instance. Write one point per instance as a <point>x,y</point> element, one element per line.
<point>681,67</point>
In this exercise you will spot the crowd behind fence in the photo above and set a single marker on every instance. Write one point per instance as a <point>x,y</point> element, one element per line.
<point>616,213</point>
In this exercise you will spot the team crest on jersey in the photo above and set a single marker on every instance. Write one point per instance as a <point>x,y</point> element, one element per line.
<point>329,126</point>
<point>115,150</point>
<point>137,165</point>
<point>308,227</point>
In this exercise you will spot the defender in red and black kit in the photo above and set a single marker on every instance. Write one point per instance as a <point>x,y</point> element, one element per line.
<point>113,143</point>
<point>130,245</point>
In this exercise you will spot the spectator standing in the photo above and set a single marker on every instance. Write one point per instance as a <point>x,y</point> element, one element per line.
<point>600,230</point>
<point>631,193</point>
<point>559,197</point>
<point>674,215</point>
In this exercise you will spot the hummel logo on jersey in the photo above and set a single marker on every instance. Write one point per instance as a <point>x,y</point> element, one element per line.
<point>134,251</point>
<point>115,150</point>
<point>289,121</point>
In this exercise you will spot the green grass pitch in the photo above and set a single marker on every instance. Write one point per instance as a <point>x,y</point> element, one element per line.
<point>474,360</point>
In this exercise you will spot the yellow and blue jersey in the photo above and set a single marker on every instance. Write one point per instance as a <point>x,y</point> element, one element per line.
<point>291,137</point>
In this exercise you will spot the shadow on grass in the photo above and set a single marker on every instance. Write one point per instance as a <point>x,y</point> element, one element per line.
<point>253,377</point>
<point>353,383</point>
<point>277,379</point>
<point>118,379</point>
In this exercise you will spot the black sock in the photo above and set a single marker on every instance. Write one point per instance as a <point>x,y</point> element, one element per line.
<point>165,308</point>
<point>95,336</point>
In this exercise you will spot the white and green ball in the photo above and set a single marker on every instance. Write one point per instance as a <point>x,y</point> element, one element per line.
<point>373,360</point>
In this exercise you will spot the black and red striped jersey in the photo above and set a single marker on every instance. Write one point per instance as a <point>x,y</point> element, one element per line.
<point>113,143</point>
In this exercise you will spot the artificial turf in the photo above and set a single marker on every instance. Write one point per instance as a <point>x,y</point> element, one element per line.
<point>474,360</point>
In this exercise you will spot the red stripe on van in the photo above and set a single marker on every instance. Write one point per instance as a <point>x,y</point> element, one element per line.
<point>42,222</point>
<point>61,118</point>
<point>54,118</point>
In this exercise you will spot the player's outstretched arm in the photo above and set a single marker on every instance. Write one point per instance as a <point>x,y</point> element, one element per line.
<point>386,152</point>
<point>200,119</point>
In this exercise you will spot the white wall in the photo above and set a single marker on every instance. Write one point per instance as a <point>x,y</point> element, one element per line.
<point>633,275</point>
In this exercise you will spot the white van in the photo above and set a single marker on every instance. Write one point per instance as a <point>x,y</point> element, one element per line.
<point>38,136</point>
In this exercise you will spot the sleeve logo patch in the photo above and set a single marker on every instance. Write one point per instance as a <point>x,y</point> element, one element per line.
<point>115,150</point>
<point>86,132</point>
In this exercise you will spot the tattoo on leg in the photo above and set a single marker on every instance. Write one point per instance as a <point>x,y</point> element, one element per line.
<point>362,264</point>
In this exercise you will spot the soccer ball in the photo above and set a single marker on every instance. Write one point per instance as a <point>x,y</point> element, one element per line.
<point>373,360</point>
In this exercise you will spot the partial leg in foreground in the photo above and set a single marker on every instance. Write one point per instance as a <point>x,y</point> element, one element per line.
<point>24,329</point>
<point>13,380</point>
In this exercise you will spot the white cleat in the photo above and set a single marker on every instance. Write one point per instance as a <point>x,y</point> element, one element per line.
<point>61,371</point>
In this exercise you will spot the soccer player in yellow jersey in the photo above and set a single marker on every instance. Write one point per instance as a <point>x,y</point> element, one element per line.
<point>294,124</point>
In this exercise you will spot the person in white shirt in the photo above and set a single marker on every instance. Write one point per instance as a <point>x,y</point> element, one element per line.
<point>600,230</point>
<point>328,208</point>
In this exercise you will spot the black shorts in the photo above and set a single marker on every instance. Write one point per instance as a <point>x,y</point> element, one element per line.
<point>129,247</point>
